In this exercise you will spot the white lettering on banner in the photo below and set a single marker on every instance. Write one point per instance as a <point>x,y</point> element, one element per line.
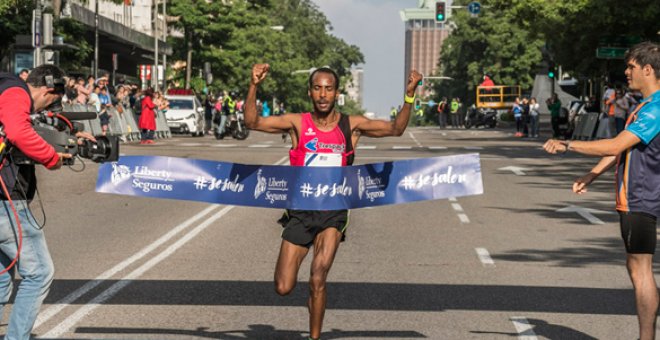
<point>420,181</point>
<point>326,190</point>
<point>148,186</point>
<point>145,172</point>
<point>370,187</point>
<point>219,184</point>
<point>266,185</point>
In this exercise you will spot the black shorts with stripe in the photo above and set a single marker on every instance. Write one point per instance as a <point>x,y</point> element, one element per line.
<point>302,226</point>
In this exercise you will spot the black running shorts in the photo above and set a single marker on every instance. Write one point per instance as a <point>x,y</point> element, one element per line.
<point>302,226</point>
<point>638,231</point>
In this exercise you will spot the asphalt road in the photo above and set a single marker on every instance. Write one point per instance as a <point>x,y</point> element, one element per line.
<point>503,265</point>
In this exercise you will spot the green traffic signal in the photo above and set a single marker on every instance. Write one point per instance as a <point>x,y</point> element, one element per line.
<point>440,11</point>
<point>551,74</point>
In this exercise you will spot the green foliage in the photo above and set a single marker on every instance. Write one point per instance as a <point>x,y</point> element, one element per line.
<point>234,35</point>
<point>15,18</point>
<point>71,30</point>
<point>511,37</point>
<point>492,44</point>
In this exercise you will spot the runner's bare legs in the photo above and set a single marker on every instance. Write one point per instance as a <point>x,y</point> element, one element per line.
<point>325,248</point>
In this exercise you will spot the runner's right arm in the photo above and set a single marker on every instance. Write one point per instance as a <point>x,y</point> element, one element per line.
<point>272,124</point>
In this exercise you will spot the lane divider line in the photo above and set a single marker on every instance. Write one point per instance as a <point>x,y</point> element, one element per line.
<point>85,310</point>
<point>484,257</point>
<point>463,218</point>
<point>415,139</point>
<point>524,329</point>
<point>55,308</point>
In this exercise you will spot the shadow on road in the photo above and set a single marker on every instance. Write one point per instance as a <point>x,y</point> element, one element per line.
<point>371,296</point>
<point>542,328</point>
<point>253,332</point>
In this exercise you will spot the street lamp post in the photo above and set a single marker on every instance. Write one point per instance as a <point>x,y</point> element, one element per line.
<point>154,72</point>
<point>96,39</point>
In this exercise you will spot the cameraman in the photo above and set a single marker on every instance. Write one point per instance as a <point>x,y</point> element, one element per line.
<point>18,100</point>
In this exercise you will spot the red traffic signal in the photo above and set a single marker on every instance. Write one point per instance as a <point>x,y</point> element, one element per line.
<point>440,11</point>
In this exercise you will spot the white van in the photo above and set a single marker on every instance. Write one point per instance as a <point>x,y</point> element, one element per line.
<point>185,115</point>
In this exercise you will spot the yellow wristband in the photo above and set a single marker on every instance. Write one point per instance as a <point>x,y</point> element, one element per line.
<point>407,99</point>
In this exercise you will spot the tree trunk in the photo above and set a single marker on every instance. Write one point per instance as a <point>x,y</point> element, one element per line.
<point>188,57</point>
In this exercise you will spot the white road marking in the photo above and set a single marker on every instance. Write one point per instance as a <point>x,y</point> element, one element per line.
<point>85,310</point>
<point>463,218</point>
<point>259,146</point>
<point>437,147</point>
<point>396,147</point>
<point>452,199</point>
<point>64,302</point>
<point>473,148</point>
<point>457,207</point>
<point>415,139</point>
<point>586,213</point>
<point>190,144</point>
<point>108,293</point>
<point>484,257</point>
<point>223,145</point>
<point>366,147</point>
<point>524,329</point>
<point>515,169</point>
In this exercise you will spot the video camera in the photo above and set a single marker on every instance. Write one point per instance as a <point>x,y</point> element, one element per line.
<point>59,128</point>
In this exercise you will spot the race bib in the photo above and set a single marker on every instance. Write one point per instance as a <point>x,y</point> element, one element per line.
<point>323,159</point>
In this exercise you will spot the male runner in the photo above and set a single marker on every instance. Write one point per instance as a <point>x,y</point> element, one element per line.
<point>335,135</point>
<point>635,153</point>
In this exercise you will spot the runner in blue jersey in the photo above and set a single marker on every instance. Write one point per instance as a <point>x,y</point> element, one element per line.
<point>636,154</point>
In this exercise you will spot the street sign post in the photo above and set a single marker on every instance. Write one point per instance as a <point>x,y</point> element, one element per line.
<point>611,52</point>
<point>474,8</point>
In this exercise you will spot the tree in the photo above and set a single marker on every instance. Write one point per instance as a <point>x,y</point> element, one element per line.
<point>490,44</point>
<point>235,35</point>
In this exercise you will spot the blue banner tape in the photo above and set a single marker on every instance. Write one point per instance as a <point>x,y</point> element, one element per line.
<point>302,188</point>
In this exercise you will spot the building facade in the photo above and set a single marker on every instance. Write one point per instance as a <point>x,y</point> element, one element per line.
<point>423,41</point>
<point>355,87</point>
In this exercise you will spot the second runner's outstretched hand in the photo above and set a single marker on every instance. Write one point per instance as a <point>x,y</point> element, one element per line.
<point>259,72</point>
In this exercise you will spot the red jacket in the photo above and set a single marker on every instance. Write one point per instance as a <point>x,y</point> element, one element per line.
<point>147,115</point>
<point>15,110</point>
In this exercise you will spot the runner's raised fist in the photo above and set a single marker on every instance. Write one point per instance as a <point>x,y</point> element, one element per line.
<point>259,72</point>
<point>413,80</point>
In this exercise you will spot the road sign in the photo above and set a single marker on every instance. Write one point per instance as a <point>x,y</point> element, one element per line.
<point>474,7</point>
<point>610,52</point>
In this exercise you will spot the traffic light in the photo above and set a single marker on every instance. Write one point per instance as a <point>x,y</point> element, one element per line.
<point>418,103</point>
<point>440,11</point>
<point>551,70</point>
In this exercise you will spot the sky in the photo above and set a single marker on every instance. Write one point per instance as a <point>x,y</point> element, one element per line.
<point>374,26</point>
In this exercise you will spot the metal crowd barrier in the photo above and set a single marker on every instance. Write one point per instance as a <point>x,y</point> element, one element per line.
<point>585,126</point>
<point>123,125</point>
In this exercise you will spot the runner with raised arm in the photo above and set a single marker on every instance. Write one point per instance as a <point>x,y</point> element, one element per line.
<point>324,137</point>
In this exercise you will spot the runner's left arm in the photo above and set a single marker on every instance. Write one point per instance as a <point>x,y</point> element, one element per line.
<point>381,128</point>
<point>272,124</point>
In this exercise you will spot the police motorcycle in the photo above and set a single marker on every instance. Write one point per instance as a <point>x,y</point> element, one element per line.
<point>478,117</point>
<point>234,126</point>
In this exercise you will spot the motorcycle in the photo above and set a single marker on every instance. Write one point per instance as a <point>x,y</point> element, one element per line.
<point>478,117</point>
<point>234,126</point>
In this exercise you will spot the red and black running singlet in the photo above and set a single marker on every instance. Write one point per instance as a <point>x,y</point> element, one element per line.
<point>323,148</point>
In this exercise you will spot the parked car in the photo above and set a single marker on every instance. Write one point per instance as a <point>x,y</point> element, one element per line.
<point>185,115</point>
